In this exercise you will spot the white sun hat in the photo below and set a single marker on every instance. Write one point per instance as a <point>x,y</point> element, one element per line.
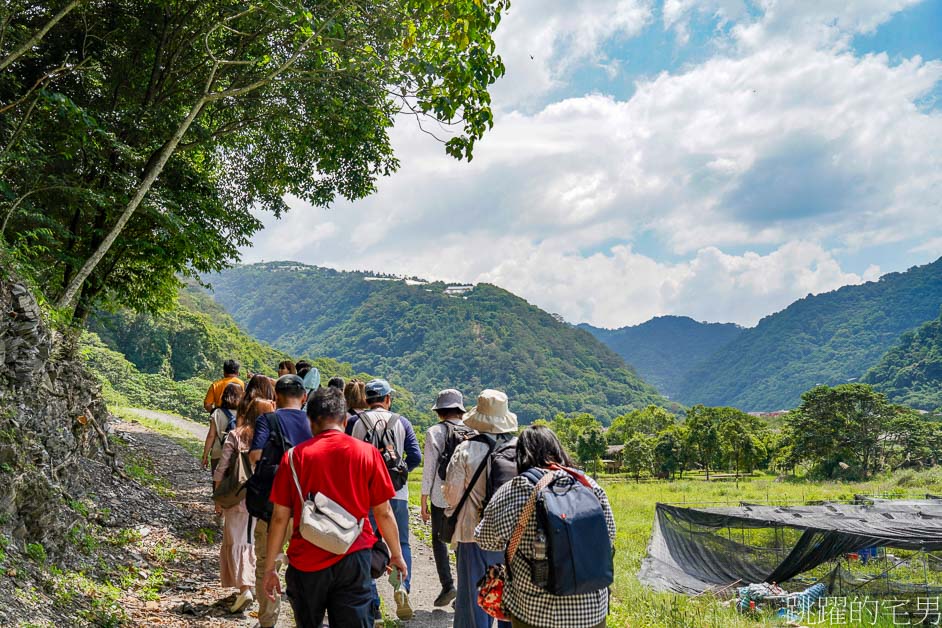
<point>491,415</point>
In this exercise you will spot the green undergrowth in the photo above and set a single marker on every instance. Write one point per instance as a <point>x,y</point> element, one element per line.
<point>87,588</point>
<point>124,385</point>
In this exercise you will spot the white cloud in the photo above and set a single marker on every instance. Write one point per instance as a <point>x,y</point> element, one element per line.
<point>543,41</point>
<point>797,149</point>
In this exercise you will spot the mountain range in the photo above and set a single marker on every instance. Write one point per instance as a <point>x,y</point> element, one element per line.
<point>830,338</point>
<point>425,336</point>
<point>431,336</point>
<point>664,349</point>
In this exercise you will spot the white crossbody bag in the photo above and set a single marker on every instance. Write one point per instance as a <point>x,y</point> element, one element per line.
<point>324,522</point>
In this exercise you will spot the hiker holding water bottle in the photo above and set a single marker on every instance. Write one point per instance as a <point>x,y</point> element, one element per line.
<point>330,570</point>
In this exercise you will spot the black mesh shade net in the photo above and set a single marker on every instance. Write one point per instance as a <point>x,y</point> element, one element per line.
<point>698,549</point>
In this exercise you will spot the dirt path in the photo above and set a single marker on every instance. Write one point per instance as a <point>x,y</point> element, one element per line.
<point>184,548</point>
<point>198,430</point>
<point>425,585</point>
<point>194,598</point>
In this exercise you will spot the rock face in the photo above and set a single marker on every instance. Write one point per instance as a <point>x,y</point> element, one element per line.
<point>51,418</point>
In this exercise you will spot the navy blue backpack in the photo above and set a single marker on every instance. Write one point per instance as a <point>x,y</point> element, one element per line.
<point>578,548</point>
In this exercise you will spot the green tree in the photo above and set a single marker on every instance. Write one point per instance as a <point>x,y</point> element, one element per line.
<point>569,427</point>
<point>840,424</point>
<point>591,445</point>
<point>703,441</point>
<point>670,451</point>
<point>137,138</point>
<point>910,440</point>
<point>638,454</point>
<point>648,420</point>
<point>740,438</point>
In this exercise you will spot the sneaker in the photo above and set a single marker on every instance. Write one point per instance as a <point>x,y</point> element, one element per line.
<point>245,599</point>
<point>446,596</point>
<point>403,608</point>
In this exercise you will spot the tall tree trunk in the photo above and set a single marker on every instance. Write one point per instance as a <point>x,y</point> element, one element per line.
<point>153,170</point>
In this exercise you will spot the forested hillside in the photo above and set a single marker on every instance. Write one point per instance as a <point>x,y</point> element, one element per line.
<point>664,349</point>
<point>829,339</point>
<point>910,373</point>
<point>166,361</point>
<point>191,339</point>
<point>415,333</point>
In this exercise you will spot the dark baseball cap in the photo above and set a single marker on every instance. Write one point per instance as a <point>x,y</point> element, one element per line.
<point>291,385</point>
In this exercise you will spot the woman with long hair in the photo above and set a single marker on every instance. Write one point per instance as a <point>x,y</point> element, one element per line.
<point>528,604</point>
<point>259,387</point>
<point>286,367</point>
<point>221,421</point>
<point>236,554</point>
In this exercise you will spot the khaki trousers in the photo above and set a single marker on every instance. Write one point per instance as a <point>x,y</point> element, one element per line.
<point>267,610</point>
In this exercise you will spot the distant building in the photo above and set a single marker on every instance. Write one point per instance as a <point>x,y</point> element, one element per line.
<point>457,291</point>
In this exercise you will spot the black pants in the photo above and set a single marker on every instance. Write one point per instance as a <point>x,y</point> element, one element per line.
<point>342,590</point>
<point>440,550</point>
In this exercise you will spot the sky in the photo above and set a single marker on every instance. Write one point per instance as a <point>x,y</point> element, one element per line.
<point>716,159</point>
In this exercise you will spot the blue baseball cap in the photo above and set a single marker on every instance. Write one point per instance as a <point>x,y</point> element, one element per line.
<point>378,388</point>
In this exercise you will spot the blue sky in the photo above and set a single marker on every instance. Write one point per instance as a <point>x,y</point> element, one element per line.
<point>710,158</point>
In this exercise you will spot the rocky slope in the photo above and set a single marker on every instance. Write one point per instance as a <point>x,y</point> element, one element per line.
<point>52,419</point>
<point>78,500</point>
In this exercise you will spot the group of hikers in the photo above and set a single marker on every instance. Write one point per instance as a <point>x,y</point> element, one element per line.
<point>327,467</point>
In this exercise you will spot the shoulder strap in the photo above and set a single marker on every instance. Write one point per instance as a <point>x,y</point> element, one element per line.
<point>391,424</point>
<point>525,516</point>
<point>275,425</point>
<point>228,414</point>
<point>474,478</point>
<point>368,425</point>
<point>534,474</point>
<point>487,439</point>
<point>295,474</point>
<point>580,477</point>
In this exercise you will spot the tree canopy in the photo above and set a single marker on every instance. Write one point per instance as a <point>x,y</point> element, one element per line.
<point>137,138</point>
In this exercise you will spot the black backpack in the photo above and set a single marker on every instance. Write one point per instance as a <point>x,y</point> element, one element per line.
<point>456,435</point>
<point>578,551</point>
<point>385,441</point>
<point>258,488</point>
<point>502,464</point>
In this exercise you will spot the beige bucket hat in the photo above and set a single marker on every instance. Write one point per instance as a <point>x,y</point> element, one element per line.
<point>491,415</point>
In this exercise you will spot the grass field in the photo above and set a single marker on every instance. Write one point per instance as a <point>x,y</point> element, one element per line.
<point>633,505</point>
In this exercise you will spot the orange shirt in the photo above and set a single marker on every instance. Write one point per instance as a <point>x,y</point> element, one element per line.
<point>214,394</point>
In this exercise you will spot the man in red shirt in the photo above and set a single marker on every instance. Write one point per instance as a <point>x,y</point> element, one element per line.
<point>353,474</point>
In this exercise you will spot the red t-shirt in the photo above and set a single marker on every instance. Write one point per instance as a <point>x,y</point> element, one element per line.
<point>350,472</point>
